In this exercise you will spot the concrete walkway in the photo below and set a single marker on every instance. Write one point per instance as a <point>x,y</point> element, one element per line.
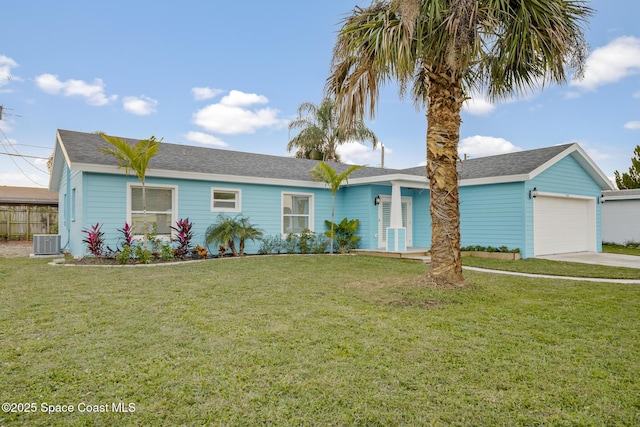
<point>548,276</point>
<point>614,260</point>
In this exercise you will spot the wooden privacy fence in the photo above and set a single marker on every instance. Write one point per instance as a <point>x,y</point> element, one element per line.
<point>22,222</point>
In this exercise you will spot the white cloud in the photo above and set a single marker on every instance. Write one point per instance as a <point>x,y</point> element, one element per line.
<point>636,95</point>
<point>478,105</point>
<point>481,146</point>
<point>355,153</point>
<point>611,63</point>
<point>6,64</point>
<point>241,99</point>
<point>16,179</point>
<point>233,115</point>
<point>635,125</point>
<point>200,93</point>
<point>205,138</point>
<point>94,93</point>
<point>140,106</point>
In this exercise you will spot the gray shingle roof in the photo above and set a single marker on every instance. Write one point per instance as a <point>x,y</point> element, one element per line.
<point>83,148</point>
<point>518,163</point>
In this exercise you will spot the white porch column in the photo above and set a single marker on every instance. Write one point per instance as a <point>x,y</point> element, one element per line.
<point>396,233</point>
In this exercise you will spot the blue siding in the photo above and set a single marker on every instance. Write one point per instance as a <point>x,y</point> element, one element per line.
<point>492,215</point>
<point>357,202</point>
<point>421,218</point>
<point>104,201</point>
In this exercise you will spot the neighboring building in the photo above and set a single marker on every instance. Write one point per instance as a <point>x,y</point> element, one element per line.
<point>541,201</point>
<point>621,216</point>
<point>25,211</point>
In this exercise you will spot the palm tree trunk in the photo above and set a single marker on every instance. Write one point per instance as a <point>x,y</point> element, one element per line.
<point>144,212</point>
<point>332,222</point>
<point>443,133</point>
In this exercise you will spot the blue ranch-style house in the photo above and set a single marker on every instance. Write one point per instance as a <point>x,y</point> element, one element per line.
<point>541,201</point>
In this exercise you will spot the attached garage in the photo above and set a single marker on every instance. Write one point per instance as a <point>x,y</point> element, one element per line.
<point>564,223</point>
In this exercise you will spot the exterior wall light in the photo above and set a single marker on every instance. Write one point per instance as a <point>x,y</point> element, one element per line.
<point>376,201</point>
<point>533,193</point>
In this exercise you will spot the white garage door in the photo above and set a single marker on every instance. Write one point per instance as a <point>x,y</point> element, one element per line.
<point>563,224</point>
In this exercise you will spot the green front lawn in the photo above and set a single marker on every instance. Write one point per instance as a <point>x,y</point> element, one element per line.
<point>554,268</point>
<point>314,340</point>
<point>620,249</point>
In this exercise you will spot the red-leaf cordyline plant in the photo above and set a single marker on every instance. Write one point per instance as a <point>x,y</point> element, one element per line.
<point>183,237</point>
<point>94,240</point>
<point>127,234</point>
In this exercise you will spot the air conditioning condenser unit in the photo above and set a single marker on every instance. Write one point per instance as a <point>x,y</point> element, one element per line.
<point>46,244</point>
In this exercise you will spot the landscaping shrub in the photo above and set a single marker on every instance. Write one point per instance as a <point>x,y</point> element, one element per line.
<point>183,238</point>
<point>94,240</point>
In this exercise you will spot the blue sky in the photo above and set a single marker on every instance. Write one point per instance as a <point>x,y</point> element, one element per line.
<point>231,75</point>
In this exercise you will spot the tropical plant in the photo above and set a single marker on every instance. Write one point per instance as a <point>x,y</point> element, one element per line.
<point>632,179</point>
<point>325,173</point>
<point>271,245</point>
<point>142,253</point>
<point>123,256</point>
<point>94,240</point>
<point>246,231</point>
<point>183,237</point>
<point>200,251</point>
<point>226,229</point>
<point>127,235</point>
<point>167,253</point>
<point>320,136</point>
<point>444,51</point>
<point>135,157</point>
<point>344,233</point>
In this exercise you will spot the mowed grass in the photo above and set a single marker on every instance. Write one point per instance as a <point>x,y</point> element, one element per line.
<point>554,268</point>
<point>621,249</point>
<point>314,340</point>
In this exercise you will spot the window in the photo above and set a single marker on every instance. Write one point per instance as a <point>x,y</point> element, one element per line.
<point>297,212</point>
<point>225,200</point>
<point>160,209</point>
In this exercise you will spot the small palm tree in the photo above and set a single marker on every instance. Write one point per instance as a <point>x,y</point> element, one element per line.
<point>135,157</point>
<point>441,51</point>
<point>246,231</point>
<point>226,230</point>
<point>320,135</point>
<point>325,173</point>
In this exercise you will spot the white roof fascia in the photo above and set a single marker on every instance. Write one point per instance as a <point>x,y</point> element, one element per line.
<point>585,161</point>
<point>404,180</point>
<point>613,198</point>
<point>494,180</point>
<point>56,169</point>
<point>158,173</point>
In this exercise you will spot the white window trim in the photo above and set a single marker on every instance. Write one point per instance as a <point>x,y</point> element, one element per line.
<point>174,202</point>
<point>311,209</point>
<point>238,207</point>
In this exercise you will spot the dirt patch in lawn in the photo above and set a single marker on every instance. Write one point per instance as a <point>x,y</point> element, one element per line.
<point>16,249</point>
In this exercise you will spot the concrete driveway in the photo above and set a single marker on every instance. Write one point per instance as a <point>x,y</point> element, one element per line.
<point>614,260</point>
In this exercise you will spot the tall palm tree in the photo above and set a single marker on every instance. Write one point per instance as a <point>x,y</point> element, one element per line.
<point>444,50</point>
<point>325,173</point>
<point>320,134</point>
<point>135,157</point>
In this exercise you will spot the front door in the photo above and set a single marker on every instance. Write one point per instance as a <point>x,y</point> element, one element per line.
<point>384,219</point>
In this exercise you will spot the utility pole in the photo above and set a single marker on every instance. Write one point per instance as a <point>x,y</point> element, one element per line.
<point>382,161</point>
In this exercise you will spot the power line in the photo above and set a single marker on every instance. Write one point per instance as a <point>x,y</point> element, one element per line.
<point>24,155</point>
<point>19,155</point>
